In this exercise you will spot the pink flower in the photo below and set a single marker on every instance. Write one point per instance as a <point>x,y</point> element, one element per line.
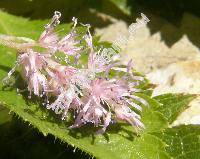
<point>98,61</point>
<point>106,96</point>
<point>32,64</point>
<point>65,101</point>
<point>59,76</point>
<point>88,90</point>
<point>49,39</point>
<point>68,44</point>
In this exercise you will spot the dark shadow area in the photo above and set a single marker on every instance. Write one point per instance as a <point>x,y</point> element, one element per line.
<point>20,141</point>
<point>170,10</point>
<point>92,132</point>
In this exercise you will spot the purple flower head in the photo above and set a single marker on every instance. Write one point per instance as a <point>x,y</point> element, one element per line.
<point>98,92</point>
<point>32,64</point>
<point>49,38</point>
<point>67,44</point>
<point>97,62</point>
<point>107,96</point>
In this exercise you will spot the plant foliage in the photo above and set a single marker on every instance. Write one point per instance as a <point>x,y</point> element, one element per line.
<point>120,141</point>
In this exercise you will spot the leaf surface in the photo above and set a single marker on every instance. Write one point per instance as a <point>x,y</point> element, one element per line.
<point>119,142</point>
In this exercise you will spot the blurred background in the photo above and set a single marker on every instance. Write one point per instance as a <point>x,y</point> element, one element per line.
<point>167,50</point>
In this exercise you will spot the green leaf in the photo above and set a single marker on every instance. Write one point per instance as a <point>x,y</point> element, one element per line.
<point>4,115</point>
<point>120,141</point>
<point>183,141</point>
<point>152,119</point>
<point>122,4</point>
<point>150,145</point>
<point>116,144</point>
<point>19,27</point>
<point>173,104</point>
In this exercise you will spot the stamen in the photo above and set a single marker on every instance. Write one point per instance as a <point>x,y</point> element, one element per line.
<point>54,22</point>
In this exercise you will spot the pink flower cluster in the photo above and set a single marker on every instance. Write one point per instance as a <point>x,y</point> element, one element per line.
<point>87,90</point>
